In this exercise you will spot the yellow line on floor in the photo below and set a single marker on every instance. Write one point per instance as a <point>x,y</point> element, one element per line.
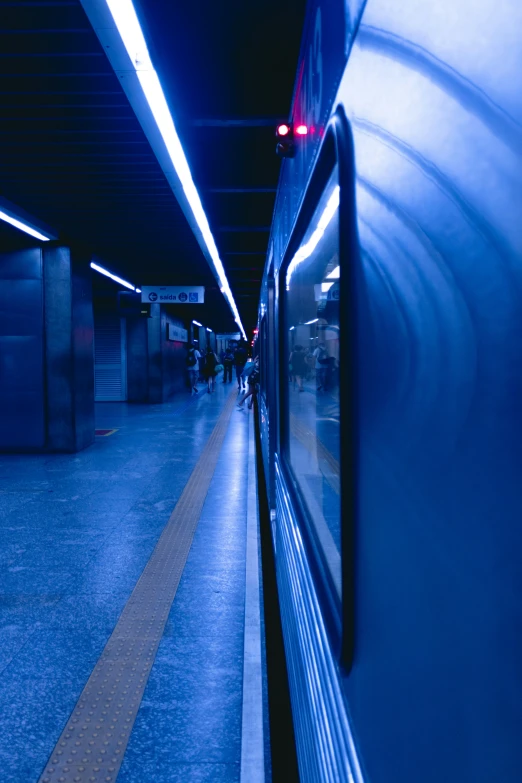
<point>93,743</point>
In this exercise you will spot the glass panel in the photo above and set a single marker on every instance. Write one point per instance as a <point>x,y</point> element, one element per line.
<point>312,350</point>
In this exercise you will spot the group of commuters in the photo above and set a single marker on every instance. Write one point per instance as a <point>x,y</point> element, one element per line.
<point>208,366</point>
<point>302,363</point>
<point>235,356</point>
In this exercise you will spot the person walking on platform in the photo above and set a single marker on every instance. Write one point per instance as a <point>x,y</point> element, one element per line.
<point>240,358</point>
<point>253,380</point>
<point>209,370</point>
<point>228,362</point>
<point>298,362</point>
<point>321,364</point>
<point>192,363</point>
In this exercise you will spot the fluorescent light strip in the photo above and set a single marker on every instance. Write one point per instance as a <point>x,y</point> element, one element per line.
<point>208,330</point>
<point>314,321</point>
<point>197,323</point>
<point>23,226</point>
<point>305,251</point>
<point>128,25</point>
<point>117,279</point>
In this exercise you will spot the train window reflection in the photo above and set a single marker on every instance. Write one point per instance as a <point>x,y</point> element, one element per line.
<point>312,307</point>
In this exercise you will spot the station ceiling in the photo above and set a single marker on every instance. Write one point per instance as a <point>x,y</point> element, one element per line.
<point>74,155</point>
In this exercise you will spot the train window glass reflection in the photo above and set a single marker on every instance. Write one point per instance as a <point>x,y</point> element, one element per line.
<point>312,307</point>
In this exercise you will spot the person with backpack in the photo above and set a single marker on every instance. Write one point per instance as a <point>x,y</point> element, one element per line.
<point>192,363</point>
<point>321,365</point>
<point>209,369</point>
<point>240,357</point>
<point>228,362</point>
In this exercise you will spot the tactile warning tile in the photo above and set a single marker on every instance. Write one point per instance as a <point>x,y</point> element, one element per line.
<point>94,740</point>
<point>312,443</point>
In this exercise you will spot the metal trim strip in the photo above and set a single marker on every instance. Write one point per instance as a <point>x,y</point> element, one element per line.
<point>325,745</point>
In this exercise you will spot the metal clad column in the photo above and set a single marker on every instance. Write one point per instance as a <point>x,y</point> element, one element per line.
<point>22,397</point>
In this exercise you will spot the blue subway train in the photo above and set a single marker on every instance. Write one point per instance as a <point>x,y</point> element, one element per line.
<point>390,405</point>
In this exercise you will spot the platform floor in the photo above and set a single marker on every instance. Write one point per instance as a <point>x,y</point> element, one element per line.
<point>76,533</point>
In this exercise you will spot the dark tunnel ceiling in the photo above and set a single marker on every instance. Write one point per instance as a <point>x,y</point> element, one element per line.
<point>73,154</point>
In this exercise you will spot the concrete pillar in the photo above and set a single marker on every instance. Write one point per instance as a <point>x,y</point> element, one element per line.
<point>22,386</point>
<point>69,335</point>
<point>155,364</point>
<point>137,360</point>
<point>166,358</point>
<point>46,361</point>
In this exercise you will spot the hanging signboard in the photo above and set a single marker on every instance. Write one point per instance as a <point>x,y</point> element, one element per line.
<point>173,294</point>
<point>178,333</point>
<point>324,291</point>
<point>232,336</point>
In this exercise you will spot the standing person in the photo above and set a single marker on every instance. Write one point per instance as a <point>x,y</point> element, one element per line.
<point>228,362</point>
<point>240,358</point>
<point>298,362</point>
<point>192,363</point>
<point>209,370</point>
<point>321,365</point>
<point>253,380</point>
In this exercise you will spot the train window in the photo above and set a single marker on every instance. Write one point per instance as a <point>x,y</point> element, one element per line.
<point>311,361</point>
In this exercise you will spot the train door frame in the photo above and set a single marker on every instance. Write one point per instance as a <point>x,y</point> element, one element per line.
<point>272,365</point>
<point>337,149</point>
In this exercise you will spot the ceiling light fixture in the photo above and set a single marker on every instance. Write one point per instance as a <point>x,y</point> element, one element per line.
<point>23,226</point>
<point>116,279</point>
<point>129,28</point>
<point>334,274</point>
<point>306,250</point>
<point>197,323</point>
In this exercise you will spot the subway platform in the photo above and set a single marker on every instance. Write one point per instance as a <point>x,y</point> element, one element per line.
<point>131,633</point>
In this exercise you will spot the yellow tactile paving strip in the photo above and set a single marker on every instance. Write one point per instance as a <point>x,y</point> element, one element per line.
<point>94,740</point>
<point>312,443</point>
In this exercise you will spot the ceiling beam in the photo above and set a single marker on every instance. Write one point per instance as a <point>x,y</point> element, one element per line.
<point>49,54</point>
<point>239,190</point>
<point>244,229</point>
<point>37,3</point>
<point>53,74</point>
<point>46,106</point>
<point>240,122</point>
<point>42,30</point>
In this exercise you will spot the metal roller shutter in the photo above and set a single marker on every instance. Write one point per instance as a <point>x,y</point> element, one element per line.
<point>110,371</point>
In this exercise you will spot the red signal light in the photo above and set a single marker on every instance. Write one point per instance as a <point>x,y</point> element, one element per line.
<point>301,130</point>
<point>283,130</point>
